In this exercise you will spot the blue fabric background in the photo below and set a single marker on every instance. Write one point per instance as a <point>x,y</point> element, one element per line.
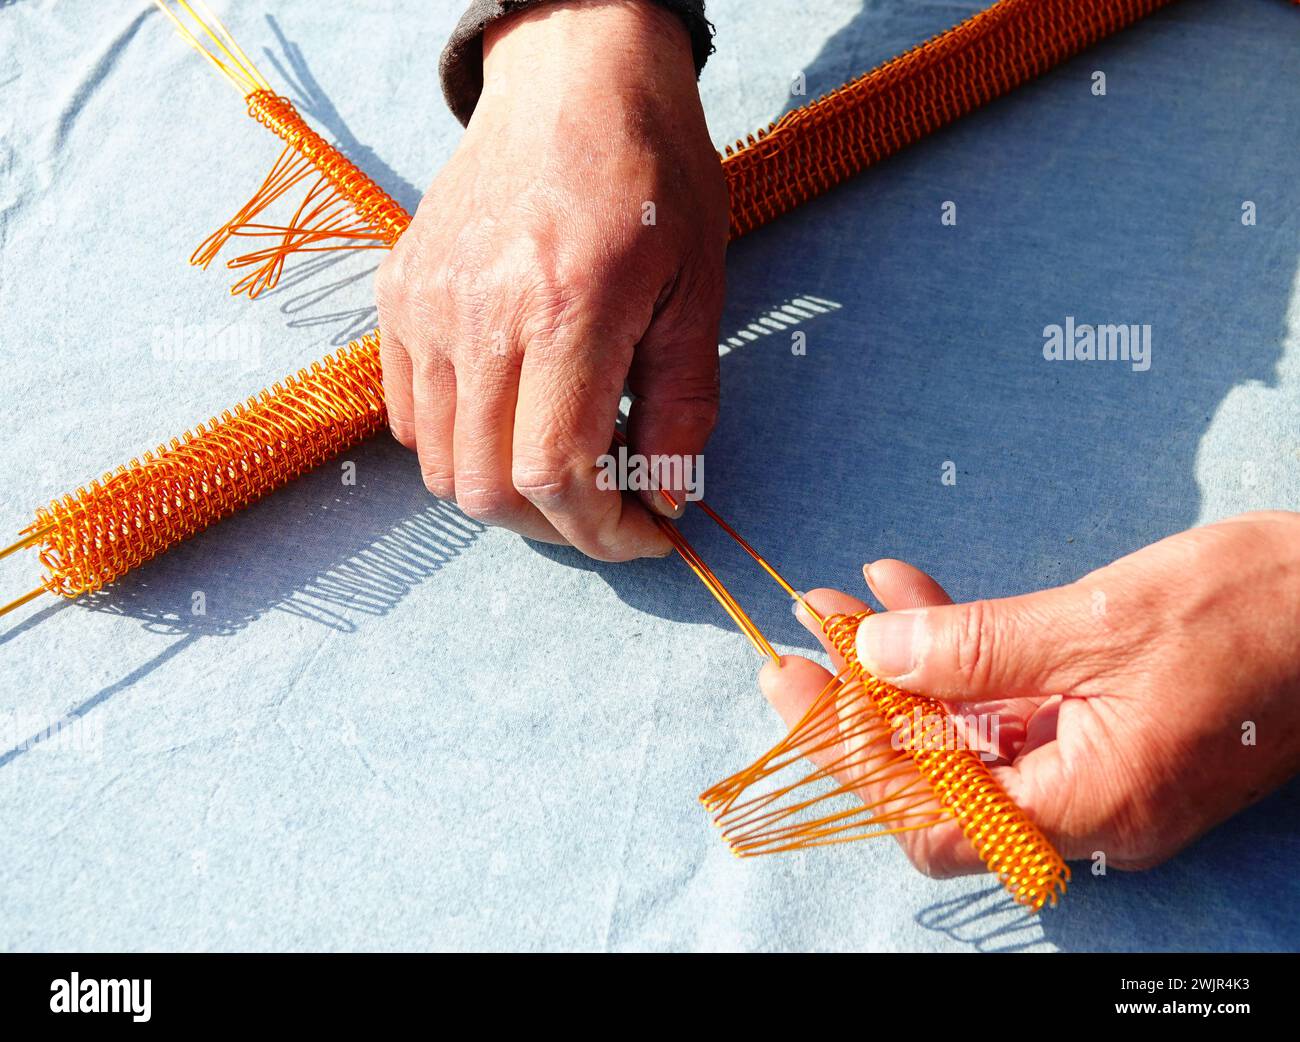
<point>394,729</point>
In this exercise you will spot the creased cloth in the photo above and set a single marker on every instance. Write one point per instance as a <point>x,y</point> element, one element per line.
<point>350,718</point>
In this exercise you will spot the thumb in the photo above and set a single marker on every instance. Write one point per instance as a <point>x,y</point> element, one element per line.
<point>674,378</point>
<point>981,650</point>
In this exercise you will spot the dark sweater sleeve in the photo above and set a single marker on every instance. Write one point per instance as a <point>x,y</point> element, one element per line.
<point>461,65</point>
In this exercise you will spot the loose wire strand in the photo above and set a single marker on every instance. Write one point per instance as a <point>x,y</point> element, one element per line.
<point>236,67</point>
<point>716,587</point>
<point>710,578</point>
<point>321,221</point>
<point>18,602</point>
<point>28,538</point>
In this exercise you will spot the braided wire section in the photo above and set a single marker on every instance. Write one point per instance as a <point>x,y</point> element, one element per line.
<point>1005,839</point>
<point>134,513</point>
<point>813,148</point>
<point>373,205</point>
<point>341,209</point>
<point>868,760</point>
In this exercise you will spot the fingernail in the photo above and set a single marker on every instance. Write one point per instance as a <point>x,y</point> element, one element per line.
<point>769,678</point>
<point>866,574</point>
<point>889,645</point>
<point>666,503</point>
<point>805,618</point>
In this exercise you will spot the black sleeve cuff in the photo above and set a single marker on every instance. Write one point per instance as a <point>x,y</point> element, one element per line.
<point>461,65</point>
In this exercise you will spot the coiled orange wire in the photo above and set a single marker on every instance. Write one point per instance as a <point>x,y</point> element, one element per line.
<point>98,533</point>
<point>877,775</point>
<point>373,205</point>
<point>1007,842</point>
<point>343,209</point>
<point>813,148</point>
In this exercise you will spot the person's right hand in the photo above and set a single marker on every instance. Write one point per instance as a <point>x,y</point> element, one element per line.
<point>574,242</point>
<point>1139,706</point>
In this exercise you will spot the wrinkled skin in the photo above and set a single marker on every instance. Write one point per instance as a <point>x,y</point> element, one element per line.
<point>1123,697</point>
<point>530,285</point>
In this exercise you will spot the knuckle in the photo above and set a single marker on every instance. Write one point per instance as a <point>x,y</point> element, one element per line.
<point>603,537</point>
<point>404,432</point>
<point>562,301</point>
<point>924,862</point>
<point>601,541</point>
<point>547,309</point>
<point>975,643</point>
<point>607,552</point>
<point>437,477</point>
<point>457,281</point>
<point>545,481</point>
<point>395,364</point>
<point>929,851</point>
<point>391,284</point>
<point>491,506</point>
<point>427,361</point>
<point>698,407</point>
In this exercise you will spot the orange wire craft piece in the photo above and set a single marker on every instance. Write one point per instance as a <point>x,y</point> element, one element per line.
<point>343,208</point>
<point>129,516</point>
<point>879,774</point>
<point>102,531</point>
<point>813,148</point>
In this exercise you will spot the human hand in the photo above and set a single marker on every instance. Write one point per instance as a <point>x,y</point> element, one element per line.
<point>575,241</point>
<point>1138,707</point>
